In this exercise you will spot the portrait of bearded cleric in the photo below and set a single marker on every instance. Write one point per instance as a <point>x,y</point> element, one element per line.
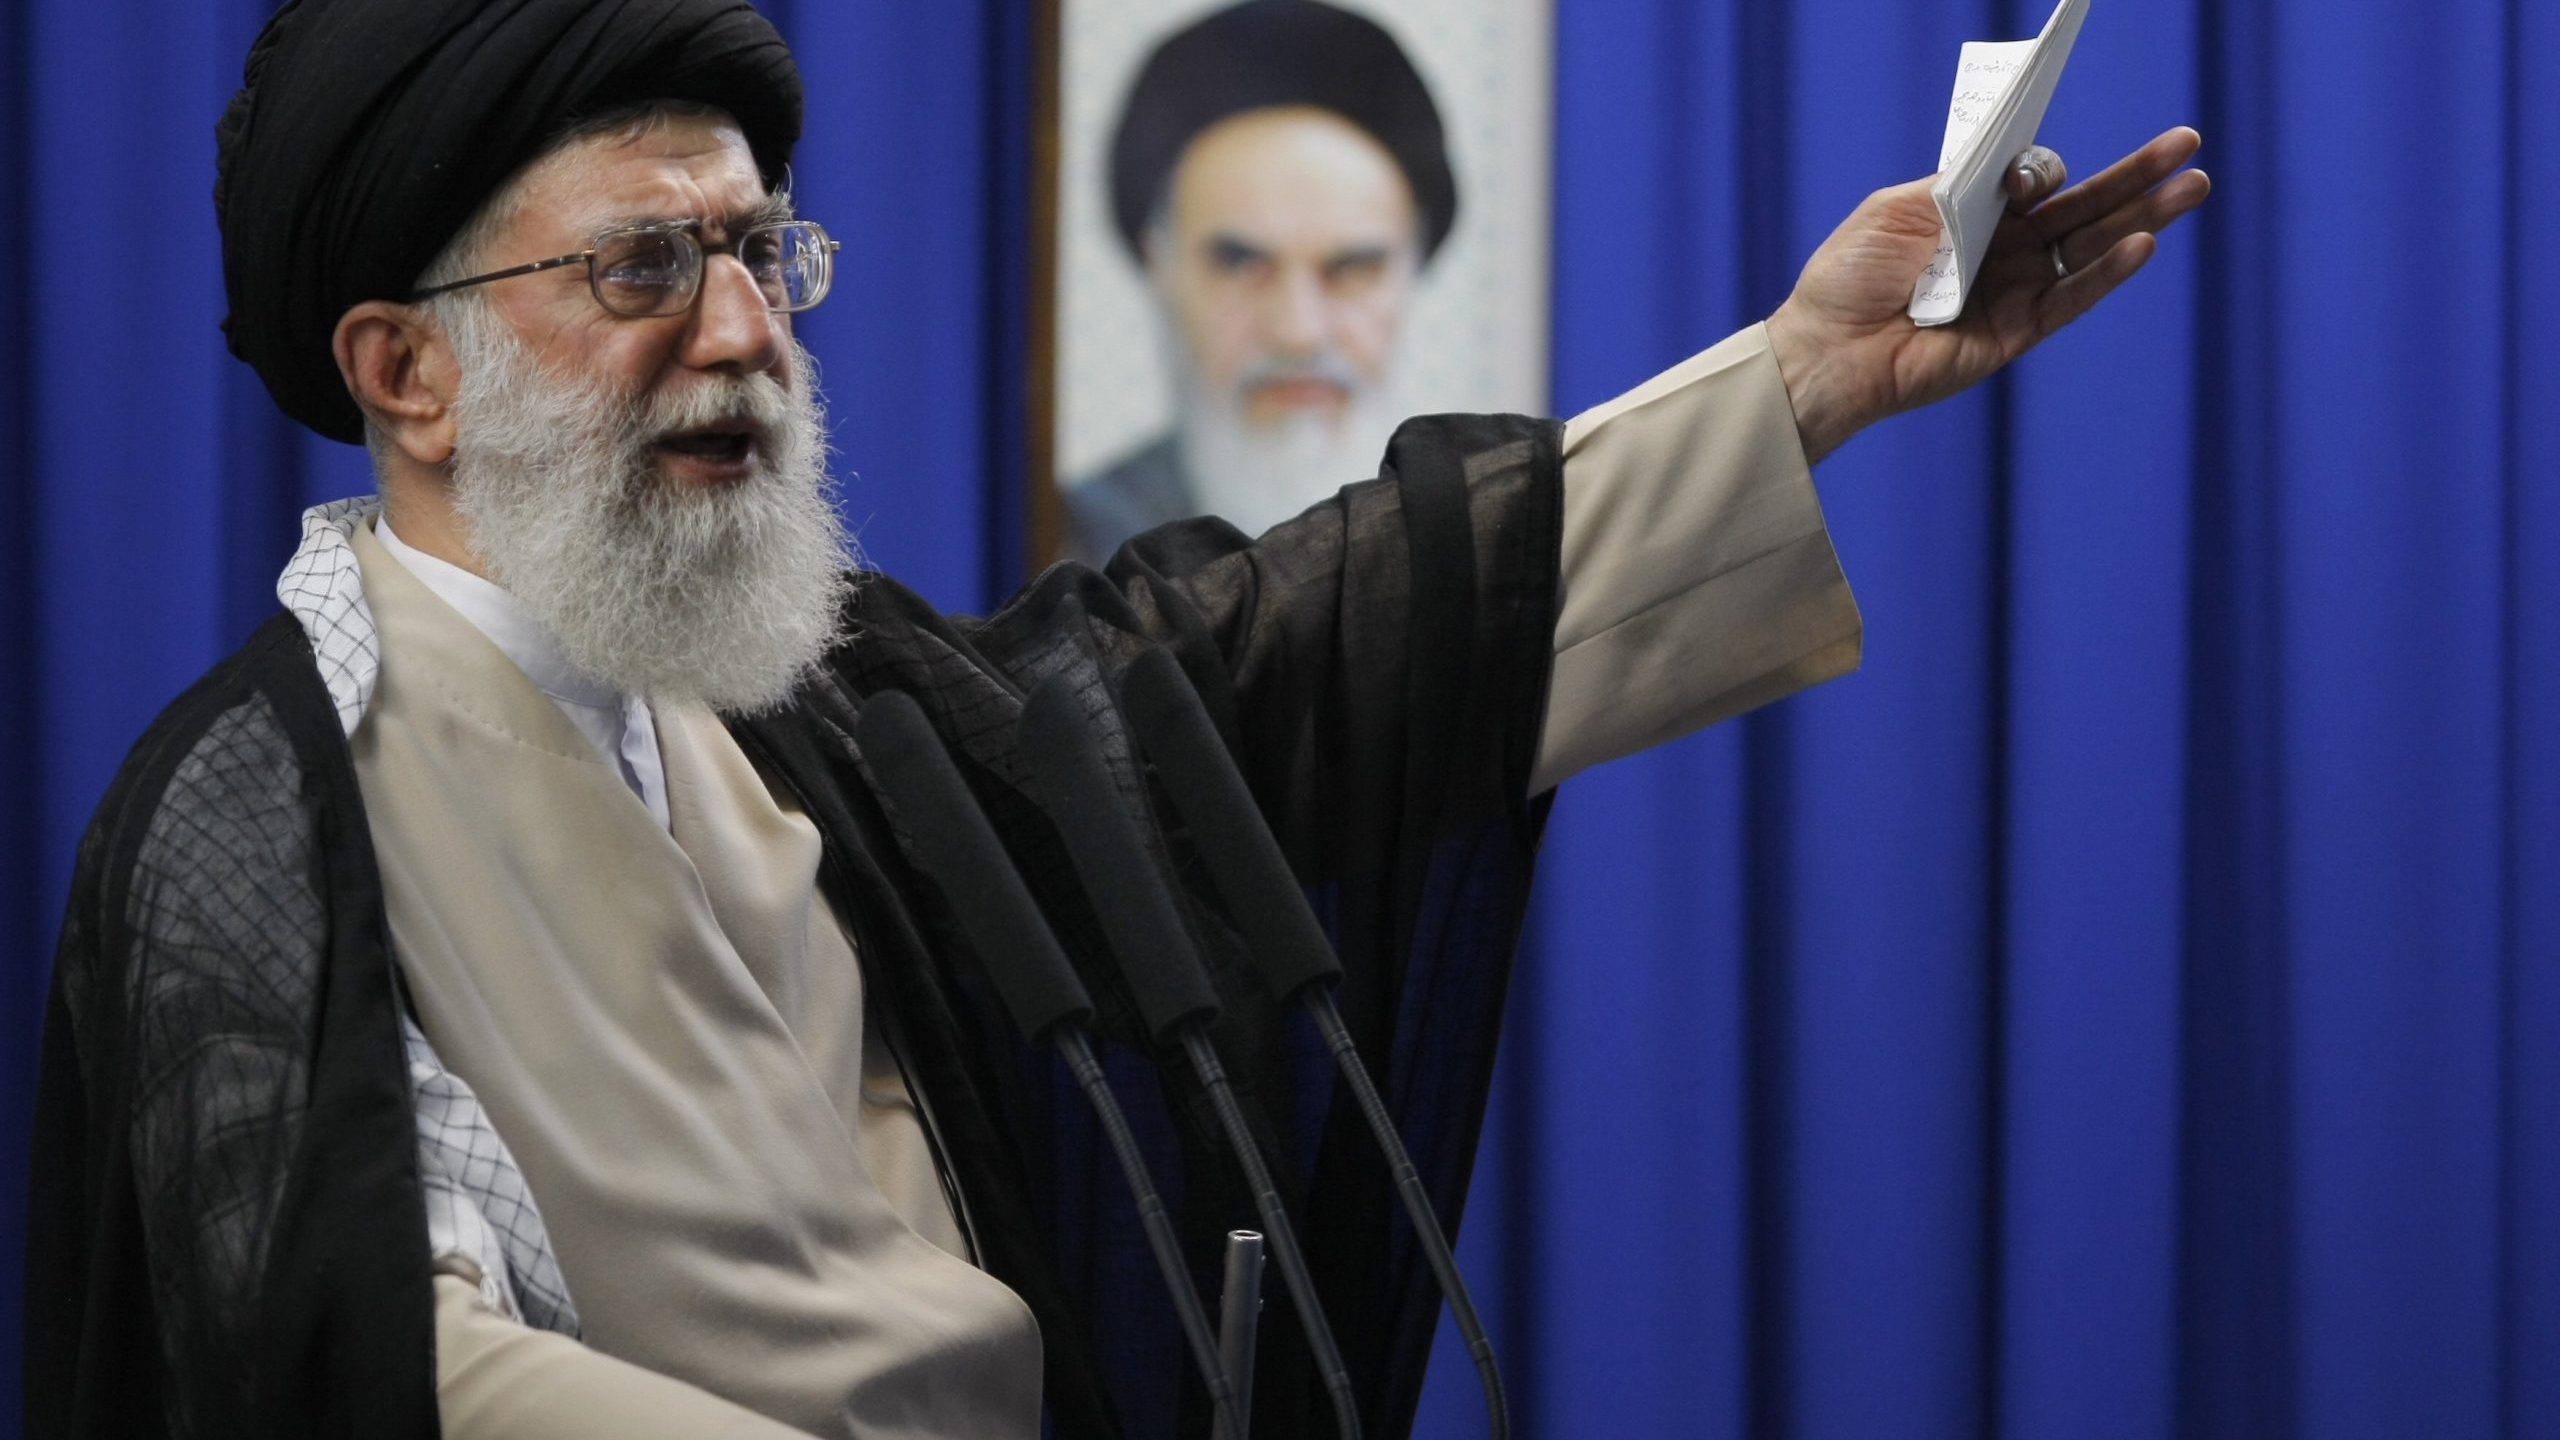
<point>1272,249</point>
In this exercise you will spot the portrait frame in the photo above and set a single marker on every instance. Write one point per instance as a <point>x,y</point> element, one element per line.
<point>1104,339</point>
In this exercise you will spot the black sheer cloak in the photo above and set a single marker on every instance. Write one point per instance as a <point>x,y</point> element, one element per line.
<point>224,1211</point>
<point>1380,667</point>
<point>226,1231</point>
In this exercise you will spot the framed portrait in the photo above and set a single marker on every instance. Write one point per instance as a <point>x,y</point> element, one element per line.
<point>1268,231</point>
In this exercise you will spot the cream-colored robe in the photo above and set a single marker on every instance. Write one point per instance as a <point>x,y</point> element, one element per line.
<point>1698,581</point>
<point>667,1029</point>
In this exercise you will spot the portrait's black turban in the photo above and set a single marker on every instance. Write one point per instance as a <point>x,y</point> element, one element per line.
<point>367,132</point>
<point>1277,52</point>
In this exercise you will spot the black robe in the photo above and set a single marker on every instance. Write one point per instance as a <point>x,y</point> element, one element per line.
<point>226,1230</point>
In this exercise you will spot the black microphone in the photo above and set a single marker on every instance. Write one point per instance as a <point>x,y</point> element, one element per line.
<point>958,848</point>
<point>1130,897</point>
<point>1264,898</point>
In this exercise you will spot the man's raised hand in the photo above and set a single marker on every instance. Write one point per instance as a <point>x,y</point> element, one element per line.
<point>1844,341</point>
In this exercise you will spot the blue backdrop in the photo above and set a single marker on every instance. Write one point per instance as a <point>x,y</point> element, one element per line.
<point>2129,1007</point>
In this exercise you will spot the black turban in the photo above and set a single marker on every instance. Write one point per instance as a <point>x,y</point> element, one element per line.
<point>1278,52</point>
<point>367,132</point>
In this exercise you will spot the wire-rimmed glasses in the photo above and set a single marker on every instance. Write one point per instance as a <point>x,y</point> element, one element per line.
<point>656,269</point>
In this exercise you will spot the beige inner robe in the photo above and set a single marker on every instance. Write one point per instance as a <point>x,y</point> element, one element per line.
<point>667,1027</point>
<point>1697,581</point>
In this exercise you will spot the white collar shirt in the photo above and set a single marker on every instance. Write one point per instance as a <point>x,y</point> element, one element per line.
<point>618,725</point>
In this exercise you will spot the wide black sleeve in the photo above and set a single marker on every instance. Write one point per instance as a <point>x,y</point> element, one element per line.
<point>1379,667</point>
<point>1389,654</point>
<point>1397,635</point>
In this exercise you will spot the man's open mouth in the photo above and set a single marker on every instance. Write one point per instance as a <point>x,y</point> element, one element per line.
<point>722,443</point>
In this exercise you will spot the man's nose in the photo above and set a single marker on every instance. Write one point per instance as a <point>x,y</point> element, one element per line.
<point>1294,312</point>
<point>731,326</point>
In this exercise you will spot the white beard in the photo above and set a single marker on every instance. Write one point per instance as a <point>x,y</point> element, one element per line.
<point>727,596</point>
<point>1256,477</point>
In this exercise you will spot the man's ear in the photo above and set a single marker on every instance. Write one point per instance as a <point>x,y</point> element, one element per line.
<point>400,368</point>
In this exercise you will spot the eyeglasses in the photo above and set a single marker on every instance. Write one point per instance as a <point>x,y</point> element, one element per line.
<point>656,269</point>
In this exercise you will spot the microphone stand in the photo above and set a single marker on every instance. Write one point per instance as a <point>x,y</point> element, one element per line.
<point>1134,904</point>
<point>1239,1320</point>
<point>1417,1205</point>
<point>1262,894</point>
<point>1206,1352</point>
<point>1040,989</point>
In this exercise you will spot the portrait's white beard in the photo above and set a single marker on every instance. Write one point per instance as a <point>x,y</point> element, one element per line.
<point>724,595</point>
<point>1257,476</point>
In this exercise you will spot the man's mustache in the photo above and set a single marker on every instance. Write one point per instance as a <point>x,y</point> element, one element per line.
<point>755,404</point>
<point>1326,367</point>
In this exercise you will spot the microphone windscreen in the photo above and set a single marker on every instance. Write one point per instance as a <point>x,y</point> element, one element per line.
<point>1208,790</point>
<point>1073,784</point>
<point>960,851</point>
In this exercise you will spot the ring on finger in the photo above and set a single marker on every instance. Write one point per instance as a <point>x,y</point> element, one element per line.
<point>2053,252</point>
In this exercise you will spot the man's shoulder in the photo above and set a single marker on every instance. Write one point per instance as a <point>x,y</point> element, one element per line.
<point>271,677</point>
<point>203,892</point>
<point>1143,489</point>
<point>1151,475</point>
<point>218,779</point>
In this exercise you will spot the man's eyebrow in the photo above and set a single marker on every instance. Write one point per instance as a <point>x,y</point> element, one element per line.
<point>772,208</point>
<point>1227,247</point>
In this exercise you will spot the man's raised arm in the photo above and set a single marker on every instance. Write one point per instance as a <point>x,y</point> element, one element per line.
<point>1851,355</point>
<point>1697,579</point>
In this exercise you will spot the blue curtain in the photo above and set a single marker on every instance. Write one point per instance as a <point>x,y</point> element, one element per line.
<point>2127,1007</point>
<point>2131,1005</point>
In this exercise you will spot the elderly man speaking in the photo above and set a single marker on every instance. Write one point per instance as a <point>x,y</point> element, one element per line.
<point>494,1001</point>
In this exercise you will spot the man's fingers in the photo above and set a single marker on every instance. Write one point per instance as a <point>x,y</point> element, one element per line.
<point>2070,299</point>
<point>1903,209</point>
<point>2033,177</point>
<point>2150,213</point>
<point>2118,184</point>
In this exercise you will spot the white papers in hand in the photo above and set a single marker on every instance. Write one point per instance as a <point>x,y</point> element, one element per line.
<point>2002,89</point>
